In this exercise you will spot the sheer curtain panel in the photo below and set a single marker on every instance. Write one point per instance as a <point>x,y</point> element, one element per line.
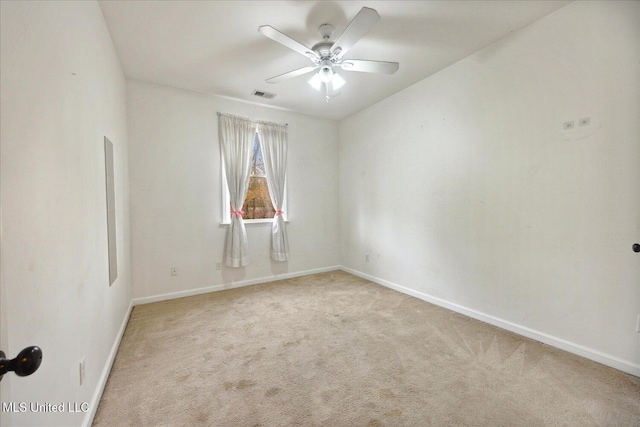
<point>273,141</point>
<point>236,140</point>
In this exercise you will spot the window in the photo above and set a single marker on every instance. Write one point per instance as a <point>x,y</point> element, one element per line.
<point>257,205</point>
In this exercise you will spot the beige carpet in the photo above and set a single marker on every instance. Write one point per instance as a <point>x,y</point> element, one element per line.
<point>336,350</point>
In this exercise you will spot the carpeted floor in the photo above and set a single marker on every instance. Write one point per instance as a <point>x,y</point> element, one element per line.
<point>336,350</point>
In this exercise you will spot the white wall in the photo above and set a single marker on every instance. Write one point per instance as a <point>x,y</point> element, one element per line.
<point>512,219</point>
<point>176,194</point>
<point>62,91</point>
<point>466,191</point>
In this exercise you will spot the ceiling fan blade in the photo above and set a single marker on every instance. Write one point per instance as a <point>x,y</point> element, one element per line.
<point>369,66</point>
<point>361,24</point>
<point>287,41</point>
<point>291,74</point>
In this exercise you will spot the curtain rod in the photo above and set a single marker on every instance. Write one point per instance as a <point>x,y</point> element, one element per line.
<point>252,121</point>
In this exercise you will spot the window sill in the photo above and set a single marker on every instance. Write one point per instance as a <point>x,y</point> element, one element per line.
<point>253,222</point>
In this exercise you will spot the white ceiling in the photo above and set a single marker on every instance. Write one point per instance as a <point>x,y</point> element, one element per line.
<point>214,47</point>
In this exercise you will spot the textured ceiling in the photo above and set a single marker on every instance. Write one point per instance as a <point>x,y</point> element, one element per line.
<point>214,47</point>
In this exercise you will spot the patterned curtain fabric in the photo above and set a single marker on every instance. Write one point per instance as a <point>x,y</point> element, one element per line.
<point>273,141</point>
<point>236,140</point>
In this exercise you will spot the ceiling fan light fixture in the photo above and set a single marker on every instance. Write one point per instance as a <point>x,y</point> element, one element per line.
<point>325,75</point>
<point>337,81</point>
<point>315,82</point>
<point>326,71</point>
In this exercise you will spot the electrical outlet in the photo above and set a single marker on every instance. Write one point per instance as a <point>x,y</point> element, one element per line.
<point>174,271</point>
<point>585,121</point>
<point>218,265</point>
<point>568,125</point>
<point>366,257</point>
<point>82,371</point>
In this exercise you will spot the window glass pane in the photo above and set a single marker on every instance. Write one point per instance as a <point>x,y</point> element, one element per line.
<point>257,162</point>
<point>258,204</point>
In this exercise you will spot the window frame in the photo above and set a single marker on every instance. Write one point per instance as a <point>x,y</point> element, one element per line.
<point>226,213</point>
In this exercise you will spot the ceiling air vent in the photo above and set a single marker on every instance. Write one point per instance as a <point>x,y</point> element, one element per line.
<point>262,94</point>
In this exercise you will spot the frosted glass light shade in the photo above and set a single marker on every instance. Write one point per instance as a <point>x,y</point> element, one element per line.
<point>337,81</point>
<point>315,82</point>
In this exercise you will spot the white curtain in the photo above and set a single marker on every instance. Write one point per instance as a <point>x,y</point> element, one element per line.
<point>236,139</point>
<point>273,141</point>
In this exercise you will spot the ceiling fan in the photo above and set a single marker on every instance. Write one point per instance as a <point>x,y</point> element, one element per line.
<point>327,56</point>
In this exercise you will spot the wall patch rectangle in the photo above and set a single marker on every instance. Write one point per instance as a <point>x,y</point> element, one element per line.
<point>111,211</point>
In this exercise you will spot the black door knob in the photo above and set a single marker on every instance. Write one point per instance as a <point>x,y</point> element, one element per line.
<point>636,247</point>
<point>26,363</point>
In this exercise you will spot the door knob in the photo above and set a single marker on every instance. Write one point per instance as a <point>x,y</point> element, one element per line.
<point>26,362</point>
<point>636,247</point>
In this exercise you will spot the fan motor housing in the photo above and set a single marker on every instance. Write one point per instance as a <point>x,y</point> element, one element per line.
<point>323,48</point>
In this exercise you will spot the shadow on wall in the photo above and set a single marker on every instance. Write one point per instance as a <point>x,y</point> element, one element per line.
<point>230,275</point>
<point>234,275</point>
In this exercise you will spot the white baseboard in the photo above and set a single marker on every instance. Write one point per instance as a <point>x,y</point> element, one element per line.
<point>588,353</point>
<point>102,381</point>
<point>225,286</point>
